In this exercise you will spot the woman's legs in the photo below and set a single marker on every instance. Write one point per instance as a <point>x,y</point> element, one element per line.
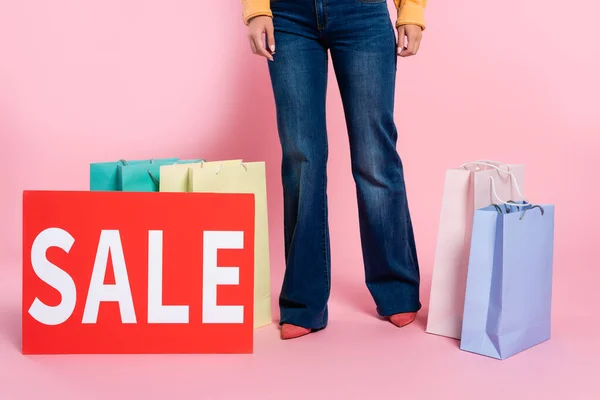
<point>362,43</point>
<point>363,50</point>
<point>299,80</point>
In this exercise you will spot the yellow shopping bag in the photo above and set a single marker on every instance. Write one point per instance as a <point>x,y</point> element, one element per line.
<point>238,177</point>
<point>175,177</point>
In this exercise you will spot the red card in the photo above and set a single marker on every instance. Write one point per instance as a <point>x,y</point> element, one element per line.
<point>116,272</point>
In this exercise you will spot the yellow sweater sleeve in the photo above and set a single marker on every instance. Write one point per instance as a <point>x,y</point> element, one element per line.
<point>254,8</point>
<point>410,12</point>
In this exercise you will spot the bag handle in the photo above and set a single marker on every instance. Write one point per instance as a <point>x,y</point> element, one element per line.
<point>509,202</point>
<point>489,163</point>
<point>499,209</point>
<point>200,160</point>
<point>535,206</point>
<point>496,163</point>
<point>156,181</point>
<point>125,162</point>
<point>492,164</point>
<point>221,166</point>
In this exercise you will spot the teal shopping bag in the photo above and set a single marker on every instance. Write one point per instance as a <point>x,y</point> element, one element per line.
<point>144,177</point>
<point>105,176</point>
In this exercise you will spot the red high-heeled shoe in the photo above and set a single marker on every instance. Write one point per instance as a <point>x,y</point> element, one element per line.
<point>403,319</point>
<point>289,331</point>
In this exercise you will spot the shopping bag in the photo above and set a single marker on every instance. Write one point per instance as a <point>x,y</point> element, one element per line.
<point>244,178</point>
<point>104,176</point>
<point>466,189</point>
<point>175,177</point>
<point>146,177</point>
<point>509,282</point>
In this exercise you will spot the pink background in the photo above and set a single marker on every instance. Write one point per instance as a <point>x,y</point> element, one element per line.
<point>84,81</point>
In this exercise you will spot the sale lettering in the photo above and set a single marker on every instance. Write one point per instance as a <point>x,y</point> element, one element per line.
<point>108,272</point>
<point>120,292</point>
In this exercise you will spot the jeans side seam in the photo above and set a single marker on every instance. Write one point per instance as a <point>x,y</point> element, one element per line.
<point>324,205</point>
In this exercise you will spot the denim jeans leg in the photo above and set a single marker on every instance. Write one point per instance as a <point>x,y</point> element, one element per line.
<point>299,79</point>
<point>363,50</point>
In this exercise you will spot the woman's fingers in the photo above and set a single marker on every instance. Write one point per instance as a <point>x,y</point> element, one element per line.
<point>411,48</point>
<point>413,35</point>
<point>252,45</point>
<point>261,49</point>
<point>418,44</point>
<point>270,31</point>
<point>401,39</point>
<point>260,30</point>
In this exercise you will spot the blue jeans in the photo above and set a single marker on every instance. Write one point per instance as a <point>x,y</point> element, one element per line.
<point>360,37</point>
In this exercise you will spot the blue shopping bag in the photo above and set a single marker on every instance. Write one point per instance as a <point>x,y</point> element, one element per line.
<point>509,281</point>
<point>105,176</point>
<point>145,177</point>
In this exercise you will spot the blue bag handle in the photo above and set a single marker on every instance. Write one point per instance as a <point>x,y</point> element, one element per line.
<point>532,206</point>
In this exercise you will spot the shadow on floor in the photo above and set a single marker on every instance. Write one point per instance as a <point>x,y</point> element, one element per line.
<point>354,293</point>
<point>10,326</point>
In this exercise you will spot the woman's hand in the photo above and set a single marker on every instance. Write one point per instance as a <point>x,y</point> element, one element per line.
<point>257,27</point>
<point>409,40</point>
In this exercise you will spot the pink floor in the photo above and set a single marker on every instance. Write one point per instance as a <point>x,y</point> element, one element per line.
<point>356,357</point>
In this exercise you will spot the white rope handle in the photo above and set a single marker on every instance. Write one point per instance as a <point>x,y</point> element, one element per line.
<point>498,163</point>
<point>510,203</point>
<point>221,166</point>
<point>488,163</point>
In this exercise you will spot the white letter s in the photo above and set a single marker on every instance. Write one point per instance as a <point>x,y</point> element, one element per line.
<point>53,276</point>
